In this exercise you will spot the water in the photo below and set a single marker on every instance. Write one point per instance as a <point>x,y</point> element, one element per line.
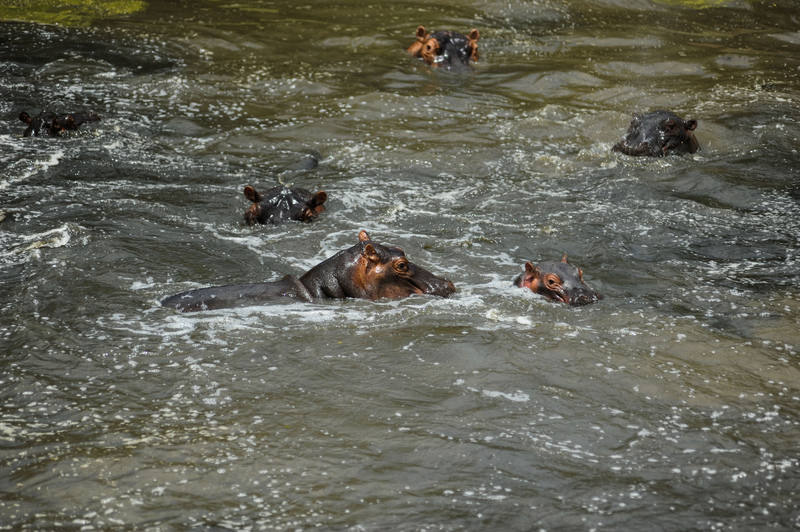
<point>672,404</point>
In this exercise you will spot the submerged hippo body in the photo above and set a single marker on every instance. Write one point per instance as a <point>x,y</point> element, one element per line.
<point>367,270</point>
<point>657,134</point>
<point>280,204</point>
<point>445,48</point>
<point>51,124</point>
<point>557,281</point>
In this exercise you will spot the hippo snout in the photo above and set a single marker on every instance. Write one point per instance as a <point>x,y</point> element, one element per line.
<point>443,288</point>
<point>583,296</point>
<point>431,284</point>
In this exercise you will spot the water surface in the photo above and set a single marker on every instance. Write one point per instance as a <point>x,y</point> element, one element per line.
<point>672,404</point>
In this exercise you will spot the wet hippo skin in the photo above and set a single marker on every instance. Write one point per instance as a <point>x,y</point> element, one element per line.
<point>280,204</point>
<point>51,124</point>
<point>657,134</point>
<point>445,48</point>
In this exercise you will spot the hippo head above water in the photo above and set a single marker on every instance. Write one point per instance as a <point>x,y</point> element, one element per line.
<point>445,48</point>
<point>385,272</point>
<point>370,270</point>
<point>281,203</point>
<point>557,281</point>
<point>657,134</point>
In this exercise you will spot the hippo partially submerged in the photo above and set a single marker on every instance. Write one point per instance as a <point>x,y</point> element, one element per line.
<point>51,124</point>
<point>557,281</point>
<point>280,204</point>
<point>445,48</point>
<point>368,270</point>
<point>657,134</point>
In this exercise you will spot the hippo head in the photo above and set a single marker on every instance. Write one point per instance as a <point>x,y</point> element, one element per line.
<point>280,204</point>
<point>445,48</point>
<point>677,136</point>
<point>657,134</point>
<point>385,272</point>
<point>557,281</point>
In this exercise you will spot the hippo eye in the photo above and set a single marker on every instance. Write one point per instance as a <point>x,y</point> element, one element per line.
<point>552,281</point>
<point>401,266</point>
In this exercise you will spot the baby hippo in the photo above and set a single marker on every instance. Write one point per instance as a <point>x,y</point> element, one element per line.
<point>557,281</point>
<point>281,203</point>
<point>445,48</point>
<point>657,134</point>
<point>52,124</point>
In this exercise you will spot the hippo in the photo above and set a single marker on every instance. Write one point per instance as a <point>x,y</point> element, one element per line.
<point>51,124</point>
<point>557,281</point>
<point>368,270</point>
<point>657,134</point>
<point>445,48</point>
<point>282,203</point>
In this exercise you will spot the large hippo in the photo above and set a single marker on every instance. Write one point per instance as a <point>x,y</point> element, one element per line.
<point>657,134</point>
<point>445,48</point>
<point>557,281</point>
<point>367,270</point>
<point>51,124</point>
<point>281,203</point>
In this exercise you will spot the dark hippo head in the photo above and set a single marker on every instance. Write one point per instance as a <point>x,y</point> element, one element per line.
<point>385,272</point>
<point>657,134</point>
<point>280,204</point>
<point>557,281</point>
<point>445,48</point>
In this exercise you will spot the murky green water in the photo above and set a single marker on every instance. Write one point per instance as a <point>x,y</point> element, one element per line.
<point>673,404</point>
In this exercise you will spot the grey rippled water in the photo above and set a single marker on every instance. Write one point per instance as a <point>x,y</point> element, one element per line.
<point>673,403</point>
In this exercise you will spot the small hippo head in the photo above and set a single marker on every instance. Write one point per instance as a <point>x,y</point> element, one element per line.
<point>445,48</point>
<point>385,272</point>
<point>657,134</point>
<point>36,124</point>
<point>557,281</point>
<point>280,204</point>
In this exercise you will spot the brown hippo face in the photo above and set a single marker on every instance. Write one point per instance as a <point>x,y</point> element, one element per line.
<point>558,281</point>
<point>280,204</point>
<point>444,48</point>
<point>385,272</point>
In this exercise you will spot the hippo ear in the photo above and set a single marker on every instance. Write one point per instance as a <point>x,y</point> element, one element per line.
<point>530,278</point>
<point>363,236</point>
<point>370,254</point>
<point>564,258</point>
<point>421,33</point>
<point>319,198</point>
<point>531,270</point>
<point>690,125</point>
<point>251,194</point>
<point>474,35</point>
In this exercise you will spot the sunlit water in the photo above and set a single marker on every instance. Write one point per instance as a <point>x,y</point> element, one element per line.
<point>672,404</point>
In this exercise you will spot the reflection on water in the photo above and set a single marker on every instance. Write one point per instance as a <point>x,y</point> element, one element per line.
<point>671,403</point>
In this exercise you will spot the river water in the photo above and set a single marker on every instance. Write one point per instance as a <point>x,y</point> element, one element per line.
<point>672,404</point>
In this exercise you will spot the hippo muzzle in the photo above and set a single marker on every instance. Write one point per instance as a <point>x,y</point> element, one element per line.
<point>427,283</point>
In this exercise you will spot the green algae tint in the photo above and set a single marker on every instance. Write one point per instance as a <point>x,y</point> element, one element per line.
<point>68,12</point>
